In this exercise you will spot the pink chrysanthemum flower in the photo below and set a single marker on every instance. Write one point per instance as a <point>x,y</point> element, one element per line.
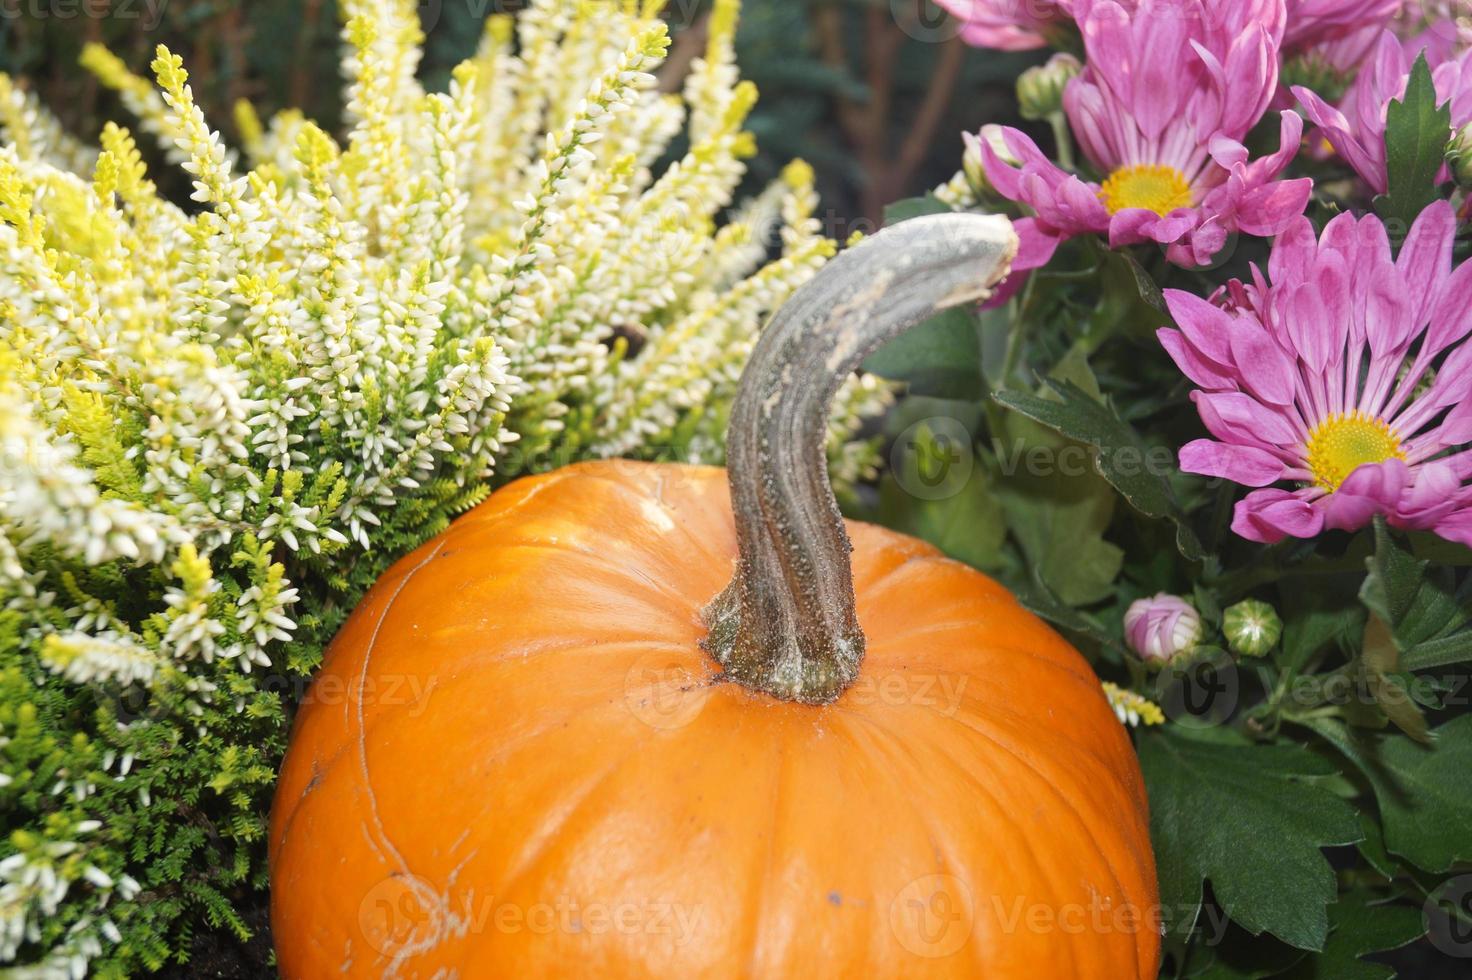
<point>1010,25</point>
<point>1345,372</point>
<point>1161,109</point>
<point>1316,22</point>
<point>1356,129</point>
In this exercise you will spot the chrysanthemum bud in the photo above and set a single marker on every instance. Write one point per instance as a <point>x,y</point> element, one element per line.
<point>1040,89</point>
<point>1252,627</point>
<point>1459,156</point>
<point>1161,628</point>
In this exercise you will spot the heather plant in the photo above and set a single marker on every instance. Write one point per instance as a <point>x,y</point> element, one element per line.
<point>221,420</point>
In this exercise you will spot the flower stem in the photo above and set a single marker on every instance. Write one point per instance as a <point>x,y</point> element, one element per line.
<point>786,624</point>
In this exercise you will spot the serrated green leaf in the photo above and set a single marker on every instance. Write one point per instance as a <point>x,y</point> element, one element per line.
<point>940,358</point>
<point>1428,617</point>
<point>1250,820</point>
<point>1121,456</point>
<point>1416,134</point>
<point>1239,955</point>
<point>1424,795</point>
<point>1360,926</point>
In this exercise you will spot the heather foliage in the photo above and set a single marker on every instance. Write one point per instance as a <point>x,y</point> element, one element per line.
<point>220,422</point>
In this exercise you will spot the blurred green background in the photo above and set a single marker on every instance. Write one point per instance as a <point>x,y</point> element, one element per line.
<point>873,93</point>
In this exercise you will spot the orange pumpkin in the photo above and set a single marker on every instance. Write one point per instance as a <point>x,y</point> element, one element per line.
<point>539,747</point>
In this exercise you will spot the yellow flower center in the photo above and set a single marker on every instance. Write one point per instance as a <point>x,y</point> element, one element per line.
<point>1152,186</point>
<point>1342,443</point>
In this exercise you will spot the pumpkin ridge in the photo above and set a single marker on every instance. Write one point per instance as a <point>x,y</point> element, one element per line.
<point>1001,710</point>
<point>1069,804</point>
<point>890,742</point>
<point>600,561</point>
<point>362,682</point>
<point>483,515</point>
<point>557,833</point>
<point>761,883</point>
<point>887,641</point>
<point>1043,870</point>
<point>678,514</point>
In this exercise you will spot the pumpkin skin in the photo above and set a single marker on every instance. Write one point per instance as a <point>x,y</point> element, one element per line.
<point>517,761</point>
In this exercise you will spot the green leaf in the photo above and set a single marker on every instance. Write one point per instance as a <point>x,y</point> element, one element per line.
<point>1416,136</point>
<point>1251,820</point>
<point>1424,794</point>
<point>1428,616</point>
<point>940,358</point>
<point>967,525</point>
<point>1240,955</point>
<point>1037,598</point>
<point>918,207</point>
<point>1380,669</point>
<point>1121,456</point>
<point>1315,618</point>
<point>1359,927</point>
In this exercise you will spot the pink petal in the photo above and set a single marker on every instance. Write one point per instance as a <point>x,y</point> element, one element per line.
<point>1271,515</point>
<point>1451,314</point>
<point>1233,416</point>
<point>1195,365</point>
<point>1240,464</point>
<point>1269,372</point>
<point>1374,488</point>
<point>1209,328</point>
<point>1426,256</point>
<point>1294,253</point>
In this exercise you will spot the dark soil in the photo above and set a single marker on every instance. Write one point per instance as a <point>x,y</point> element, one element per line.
<point>220,955</point>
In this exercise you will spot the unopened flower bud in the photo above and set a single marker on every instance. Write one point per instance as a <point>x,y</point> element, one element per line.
<point>1459,156</point>
<point>1040,89</point>
<point>1252,627</point>
<point>1162,628</point>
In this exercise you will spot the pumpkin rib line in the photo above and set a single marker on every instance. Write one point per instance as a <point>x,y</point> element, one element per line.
<point>548,481</point>
<point>389,713</point>
<point>1000,806</point>
<point>1084,823</point>
<point>762,882</point>
<point>879,585</point>
<point>675,513</point>
<point>362,735</point>
<point>888,744</point>
<point>596,560</point>
<point>1030,654</point>
<point>579,805</point>
<point>1088,749</point>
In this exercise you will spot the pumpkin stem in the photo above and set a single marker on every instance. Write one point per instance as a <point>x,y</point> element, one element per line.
<point>786,624</point>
